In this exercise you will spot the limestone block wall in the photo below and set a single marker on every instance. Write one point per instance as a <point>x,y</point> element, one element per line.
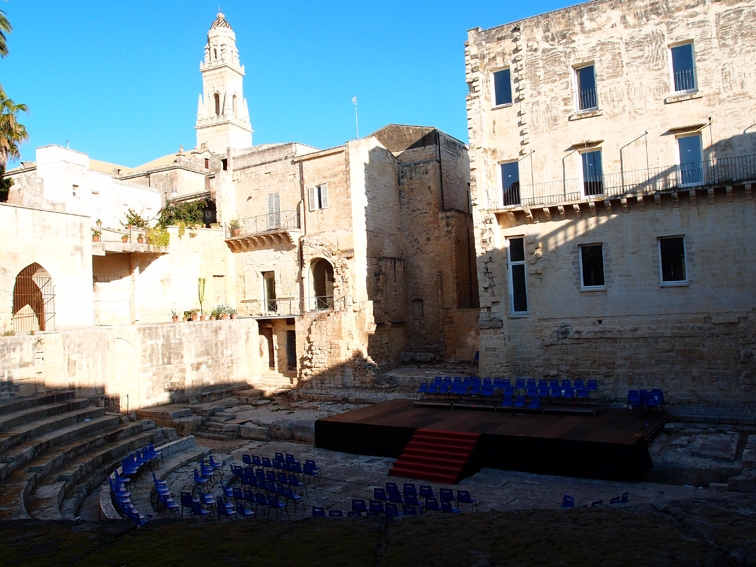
<point>696,340</point>
<point>329,168</point>
<point>283,261</point>
<point>142,364</point>
<point>638,114</point>
<point>146,287</point>
<point>62,245</point>
<point>255,179</point>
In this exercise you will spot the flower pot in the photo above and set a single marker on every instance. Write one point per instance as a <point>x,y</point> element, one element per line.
<point>224,316</point>
<point>203,317</point>
<point>185,319</point>
<point>125,238</point>
<point>213,317</point>
<point>195,316</point>
<point>235,232</point>
<point>140,240</point>
<point>233,315</point>
<point>96,238</point>
<point>174,318</point>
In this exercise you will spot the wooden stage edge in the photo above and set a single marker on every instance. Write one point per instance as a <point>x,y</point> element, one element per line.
<point>611,445</point>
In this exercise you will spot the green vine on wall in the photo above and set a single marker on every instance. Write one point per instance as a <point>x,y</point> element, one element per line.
<point>188,213</point>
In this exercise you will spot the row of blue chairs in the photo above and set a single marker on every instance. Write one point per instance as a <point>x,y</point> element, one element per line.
<point>141,460</point>
<point>410,500</point>
<point>121,498</point>
<point>645,400</point>
<point>488,390</point>
<point>259,477</point>
<point>287,463</point>
<point>569,501</point>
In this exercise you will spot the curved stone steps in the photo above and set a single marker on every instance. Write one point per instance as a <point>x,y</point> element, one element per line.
<point>37,412</point>
<point>59,496</point>
<point>17,482</point>
<point>26,432</point>
<point>18,404</point>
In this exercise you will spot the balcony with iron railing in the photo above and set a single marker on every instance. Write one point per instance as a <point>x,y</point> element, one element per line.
<point>262,230</point>
<point>282,307</point>
<point>724,171</point>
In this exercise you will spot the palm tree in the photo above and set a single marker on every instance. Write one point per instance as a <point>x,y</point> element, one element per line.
<point>5,27</point>
<point>12,133</point>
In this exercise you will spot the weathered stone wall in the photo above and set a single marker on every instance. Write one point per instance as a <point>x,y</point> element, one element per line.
<point>147,287</point>
<point>62,245</point>
<point>142,364</point>
<point>697,340</point>
<point>638,110</point>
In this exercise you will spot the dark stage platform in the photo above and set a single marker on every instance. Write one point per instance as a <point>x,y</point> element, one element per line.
<point>611,445</point>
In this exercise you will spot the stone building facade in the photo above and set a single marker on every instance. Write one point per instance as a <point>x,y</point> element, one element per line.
<point>613,159</point>
<point>341,261</point>
<point>355,257</point>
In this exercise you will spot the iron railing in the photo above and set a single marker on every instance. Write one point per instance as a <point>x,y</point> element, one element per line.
<point>288,307</point>
<point>33,300</point>
<point>587,99</point>
<point>271,222</point>
<point>642,181</point>
<point>685,80</point>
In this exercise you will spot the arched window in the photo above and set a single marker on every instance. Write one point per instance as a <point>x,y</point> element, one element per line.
<point>33,300</point>
<point>233,100</point>
<point>216,98</point>
<point>321,285</point>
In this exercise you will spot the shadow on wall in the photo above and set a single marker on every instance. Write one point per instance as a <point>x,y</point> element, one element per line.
<point>636,293</point>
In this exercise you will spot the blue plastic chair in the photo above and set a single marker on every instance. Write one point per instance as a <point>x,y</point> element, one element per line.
<point>568,501</point>
<point>318,512</point>
<point>359,506</point>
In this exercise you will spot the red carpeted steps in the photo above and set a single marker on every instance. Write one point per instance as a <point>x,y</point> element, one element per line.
<point>436,456</point>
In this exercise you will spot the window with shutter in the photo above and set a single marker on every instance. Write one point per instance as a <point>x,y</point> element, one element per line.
<point>274,211</point>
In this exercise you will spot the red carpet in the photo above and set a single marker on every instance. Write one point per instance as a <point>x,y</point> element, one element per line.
<point>436,456</point>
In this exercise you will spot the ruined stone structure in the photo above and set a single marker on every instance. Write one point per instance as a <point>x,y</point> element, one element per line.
<point>613,158</point>
<point>356,256</point>
<point>344,260</point>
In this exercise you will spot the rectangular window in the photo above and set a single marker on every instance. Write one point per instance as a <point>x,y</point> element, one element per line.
<point>318,197</point>
<point>585,79</point>
<point>518,292</point>
<point>672,260</point>
<point>274,211</point>
<point>593,174</point>
<point>269,292</point>
<point>592,266</point>
<point>683,68</point>
<point>691,159</point>
<point>502,87</point>
<point>510,183</point>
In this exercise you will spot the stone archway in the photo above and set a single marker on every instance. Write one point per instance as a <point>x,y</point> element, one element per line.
<point>33,300</point>
<point>321,285</point>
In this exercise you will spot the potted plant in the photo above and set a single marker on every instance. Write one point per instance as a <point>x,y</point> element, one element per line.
<point>140,238</point>
<point>95,235</point>
<point>124,238</point>
<point>201,294</point>
<point>194,314</point>
<point>174,315</point>
<point>235,227</point>
<point>232,312</point>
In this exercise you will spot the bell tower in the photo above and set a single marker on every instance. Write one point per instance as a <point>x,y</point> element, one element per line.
<point>222,114</point>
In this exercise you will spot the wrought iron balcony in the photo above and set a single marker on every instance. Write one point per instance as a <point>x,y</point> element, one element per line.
<point>724,171</point>
<point>264,230</point>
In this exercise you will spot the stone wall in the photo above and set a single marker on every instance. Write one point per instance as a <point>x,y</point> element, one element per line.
<point>59,243</point>
<point>143,364</point>
<point>697,340</point>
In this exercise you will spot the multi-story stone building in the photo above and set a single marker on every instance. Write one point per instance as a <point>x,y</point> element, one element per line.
<point>613,157</point>
<point>341,261</point>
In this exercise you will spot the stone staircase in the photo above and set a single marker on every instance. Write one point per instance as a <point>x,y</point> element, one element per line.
<point>57,448</point>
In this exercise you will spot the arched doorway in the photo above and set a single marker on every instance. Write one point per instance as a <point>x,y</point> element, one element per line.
<point>33,300</point>
<point>321,285</point>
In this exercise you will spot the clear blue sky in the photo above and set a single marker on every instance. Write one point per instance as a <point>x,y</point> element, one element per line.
<point>119,79</point>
